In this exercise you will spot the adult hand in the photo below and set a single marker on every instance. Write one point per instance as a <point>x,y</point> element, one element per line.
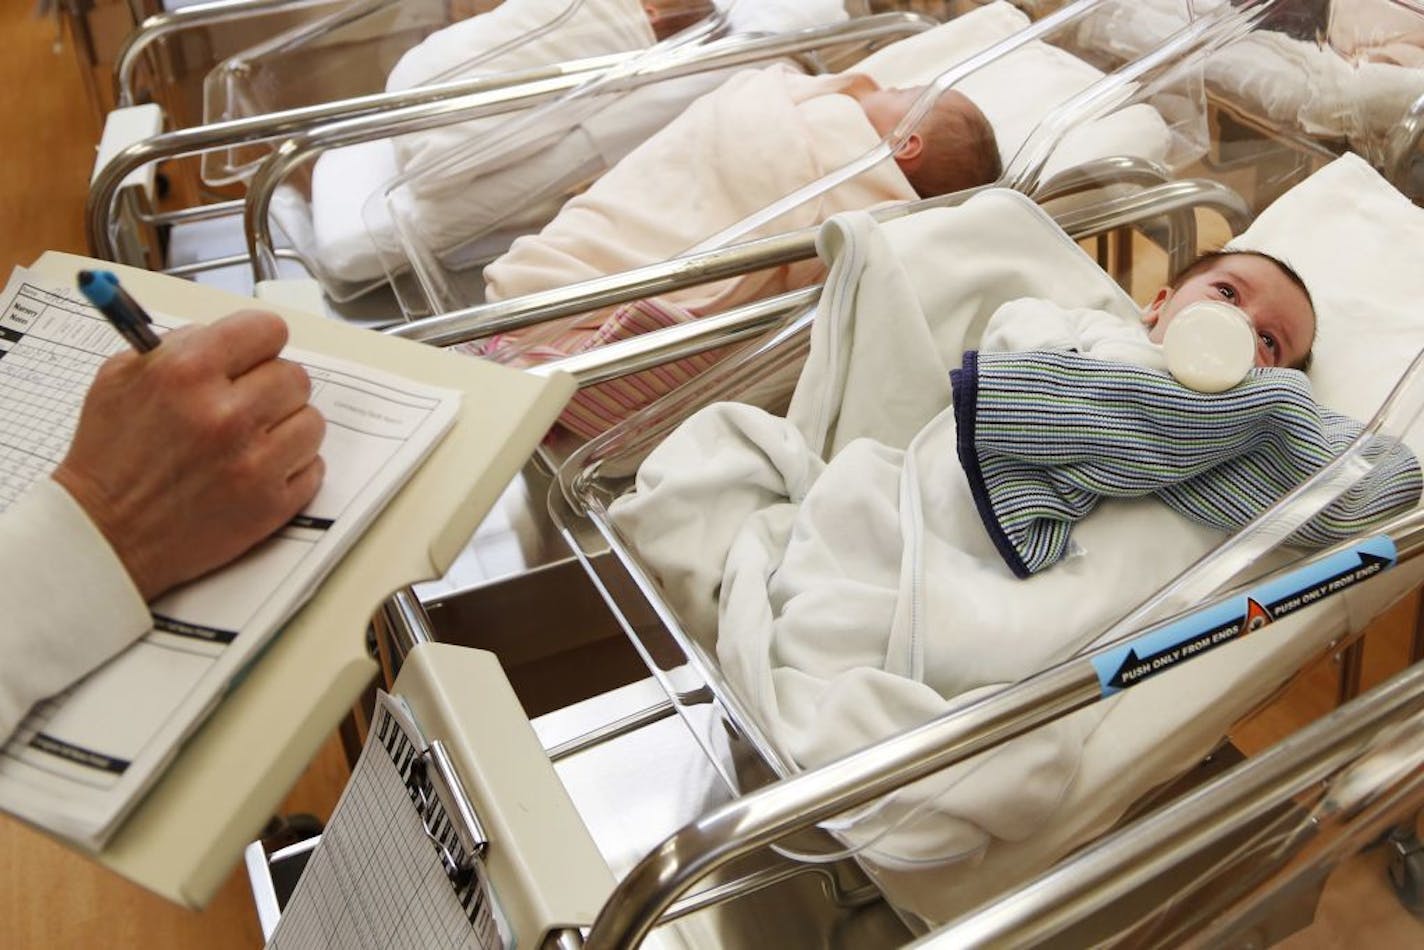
<point>187,456</point>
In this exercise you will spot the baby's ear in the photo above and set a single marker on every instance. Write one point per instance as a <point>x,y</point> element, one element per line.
<point>910,150</point>
<point>1154,309</point>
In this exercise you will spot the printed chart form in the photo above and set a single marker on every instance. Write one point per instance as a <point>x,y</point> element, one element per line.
<point>48,356</point>
<point>376,880</point>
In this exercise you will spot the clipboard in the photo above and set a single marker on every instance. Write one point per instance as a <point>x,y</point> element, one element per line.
<point>454,830</point>
<point>188,833</point>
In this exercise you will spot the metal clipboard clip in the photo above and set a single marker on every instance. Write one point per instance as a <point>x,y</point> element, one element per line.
<point>446,815</point>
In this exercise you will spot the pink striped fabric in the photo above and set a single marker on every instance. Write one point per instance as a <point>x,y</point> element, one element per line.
<point>596,409</point>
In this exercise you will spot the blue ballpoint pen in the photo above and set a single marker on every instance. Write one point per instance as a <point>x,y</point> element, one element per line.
<point>103,290</point>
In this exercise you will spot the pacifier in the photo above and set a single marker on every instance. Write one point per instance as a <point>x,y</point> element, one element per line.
<point>1210,346</point>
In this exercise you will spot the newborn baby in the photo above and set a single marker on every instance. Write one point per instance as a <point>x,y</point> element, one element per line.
<point>760,137</point>
<point>1271,295</point>
<point>952,148</point>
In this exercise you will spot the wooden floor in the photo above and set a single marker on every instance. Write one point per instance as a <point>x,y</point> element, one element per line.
<point>51,898</point>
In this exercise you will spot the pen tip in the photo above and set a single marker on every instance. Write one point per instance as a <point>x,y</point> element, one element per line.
<point>86,277</point>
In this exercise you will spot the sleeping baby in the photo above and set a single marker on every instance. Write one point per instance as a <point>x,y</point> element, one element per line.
<point>761,136</point>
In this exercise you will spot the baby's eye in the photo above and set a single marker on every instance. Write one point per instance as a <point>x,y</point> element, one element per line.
<point>1270,342</point>
<point>1227,291</point>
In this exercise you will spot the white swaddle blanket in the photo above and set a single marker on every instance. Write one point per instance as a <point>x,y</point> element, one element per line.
<point>756,138</point>
<point>835,562</point>
<point>515,35</point>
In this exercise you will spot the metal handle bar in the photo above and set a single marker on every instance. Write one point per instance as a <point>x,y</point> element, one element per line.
<point>1155,843</point>
<point>523,88</point>
<point>407,622</point>
<point>678,342</point>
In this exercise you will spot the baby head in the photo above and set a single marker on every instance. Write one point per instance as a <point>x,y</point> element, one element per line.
<point>667,17</point>
<point>952,148</point>
<point>1272,295</point>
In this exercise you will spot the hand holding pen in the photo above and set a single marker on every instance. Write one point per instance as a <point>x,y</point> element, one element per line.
<point>186,457</point>
<point>134,324</point>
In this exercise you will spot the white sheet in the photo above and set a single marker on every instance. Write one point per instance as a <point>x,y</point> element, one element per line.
<point>341,180</point>
<point>1355,241</point>
<point>519,35</point>
<point>525,33</point>
<point>835,613</point>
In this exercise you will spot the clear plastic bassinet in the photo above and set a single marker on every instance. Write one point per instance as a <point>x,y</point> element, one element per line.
<point>600,473</point>
<point>343,54</point>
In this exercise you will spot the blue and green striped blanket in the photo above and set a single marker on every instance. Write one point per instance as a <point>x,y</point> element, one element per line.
<point>1043,435</point>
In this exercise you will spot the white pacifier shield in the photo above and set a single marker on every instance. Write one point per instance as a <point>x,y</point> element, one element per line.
<point>1210,346</point>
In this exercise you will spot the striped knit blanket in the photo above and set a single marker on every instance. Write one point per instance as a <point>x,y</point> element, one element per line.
<point>1043,435</point>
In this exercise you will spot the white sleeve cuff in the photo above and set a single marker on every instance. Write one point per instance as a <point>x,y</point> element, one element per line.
<point>69,603</point>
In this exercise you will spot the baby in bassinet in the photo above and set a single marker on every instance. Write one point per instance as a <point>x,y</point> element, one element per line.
<point>758,138</point>
<point>1125,432</point>
<point>885,551</point>
<point>1268,291</point>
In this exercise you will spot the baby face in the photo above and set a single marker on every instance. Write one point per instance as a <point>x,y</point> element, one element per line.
<point>1279,310</point>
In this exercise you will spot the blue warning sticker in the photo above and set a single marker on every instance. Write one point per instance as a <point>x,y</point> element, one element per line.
<point>1160,650</point>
